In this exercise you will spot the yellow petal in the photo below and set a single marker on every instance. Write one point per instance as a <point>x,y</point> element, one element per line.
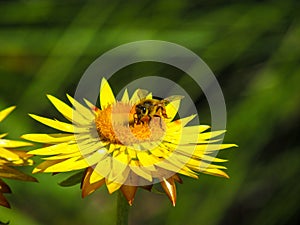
<point>198,150</point>
<point>209,158</point>
<point>195,129</point>
<point>172,164</point>
<point>142,172</point>
<point>131,153</point>
<point>209,135</point>
<point>67,111</point>
<point>102,168</point>
<point>187,172</point>
<point>149,95</point>
<point>8,155</point>
<point>63,156</point>
<point>13,144</point>
<point>63,148</point>
<point>3,135</point>
<point>54,123</point>
<point>160,152</point>
<point>112,186</point>
<point>91,106</point>
<point>44,165</point>
<point>49,138</point>
<point>147,159</point>
<point>172,109</point>
<point>95,177</point>
<point>82,110</point>
<point>106,95</point>
<point>200,166</point>
<point>216,172</point>
<point>91,147</point>
<point>125,97</point>
<point>62,107</point>
<point>177,125</point>
<point>94,158</point>
<point>186,120</point>
<point>122,157</point>
<point>4,113</point>
<point>67,165</point>
<point>119,172</point>
<point>138,95</point>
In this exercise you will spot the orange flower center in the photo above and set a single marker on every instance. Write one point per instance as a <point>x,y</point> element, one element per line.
<point>116,124</point>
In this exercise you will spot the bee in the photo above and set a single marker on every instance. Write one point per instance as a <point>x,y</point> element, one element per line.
<point>145,110</point>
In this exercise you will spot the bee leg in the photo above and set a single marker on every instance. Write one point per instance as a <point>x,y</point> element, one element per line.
<point>160,122</point>
<point>164,113</point>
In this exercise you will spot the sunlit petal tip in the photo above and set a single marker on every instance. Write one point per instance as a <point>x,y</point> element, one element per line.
<point>54,123</point>
<point>36,170</point>
<point>49,96</point>
<point>5,143</point>
<point>184,121</point>
<point>5,112</point>
<point>31,115</point>
<point>170,188</point>
<point>125,97</point>
<point>3,135</point>
<point>217,172</point>
<point>106,94</point>
<point>172,109</point>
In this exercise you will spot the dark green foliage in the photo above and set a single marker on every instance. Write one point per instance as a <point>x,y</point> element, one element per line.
<point>72,180</point>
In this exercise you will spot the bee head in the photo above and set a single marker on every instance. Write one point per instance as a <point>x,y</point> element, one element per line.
<point>142,110</point>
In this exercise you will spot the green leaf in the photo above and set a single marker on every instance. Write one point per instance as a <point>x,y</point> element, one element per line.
<point>72,180</point>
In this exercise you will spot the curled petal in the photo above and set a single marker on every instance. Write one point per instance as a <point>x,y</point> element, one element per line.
<point>86,186</point>
<point>170,188</point>
<point>129,192</point>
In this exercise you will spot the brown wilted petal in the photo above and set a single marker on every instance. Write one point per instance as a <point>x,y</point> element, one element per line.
<point>86,186</point>
<point>129,192</point>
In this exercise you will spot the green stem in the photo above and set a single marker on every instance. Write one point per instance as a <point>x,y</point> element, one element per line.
<point>122,209</point>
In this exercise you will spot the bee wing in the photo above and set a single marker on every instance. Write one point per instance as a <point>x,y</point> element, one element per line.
<point>174,98</point>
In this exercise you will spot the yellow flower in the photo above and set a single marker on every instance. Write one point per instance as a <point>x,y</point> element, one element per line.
<point>10,158</point>
<point>125,148</point>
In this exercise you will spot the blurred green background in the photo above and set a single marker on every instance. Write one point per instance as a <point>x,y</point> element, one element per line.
<point>251,46</point>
